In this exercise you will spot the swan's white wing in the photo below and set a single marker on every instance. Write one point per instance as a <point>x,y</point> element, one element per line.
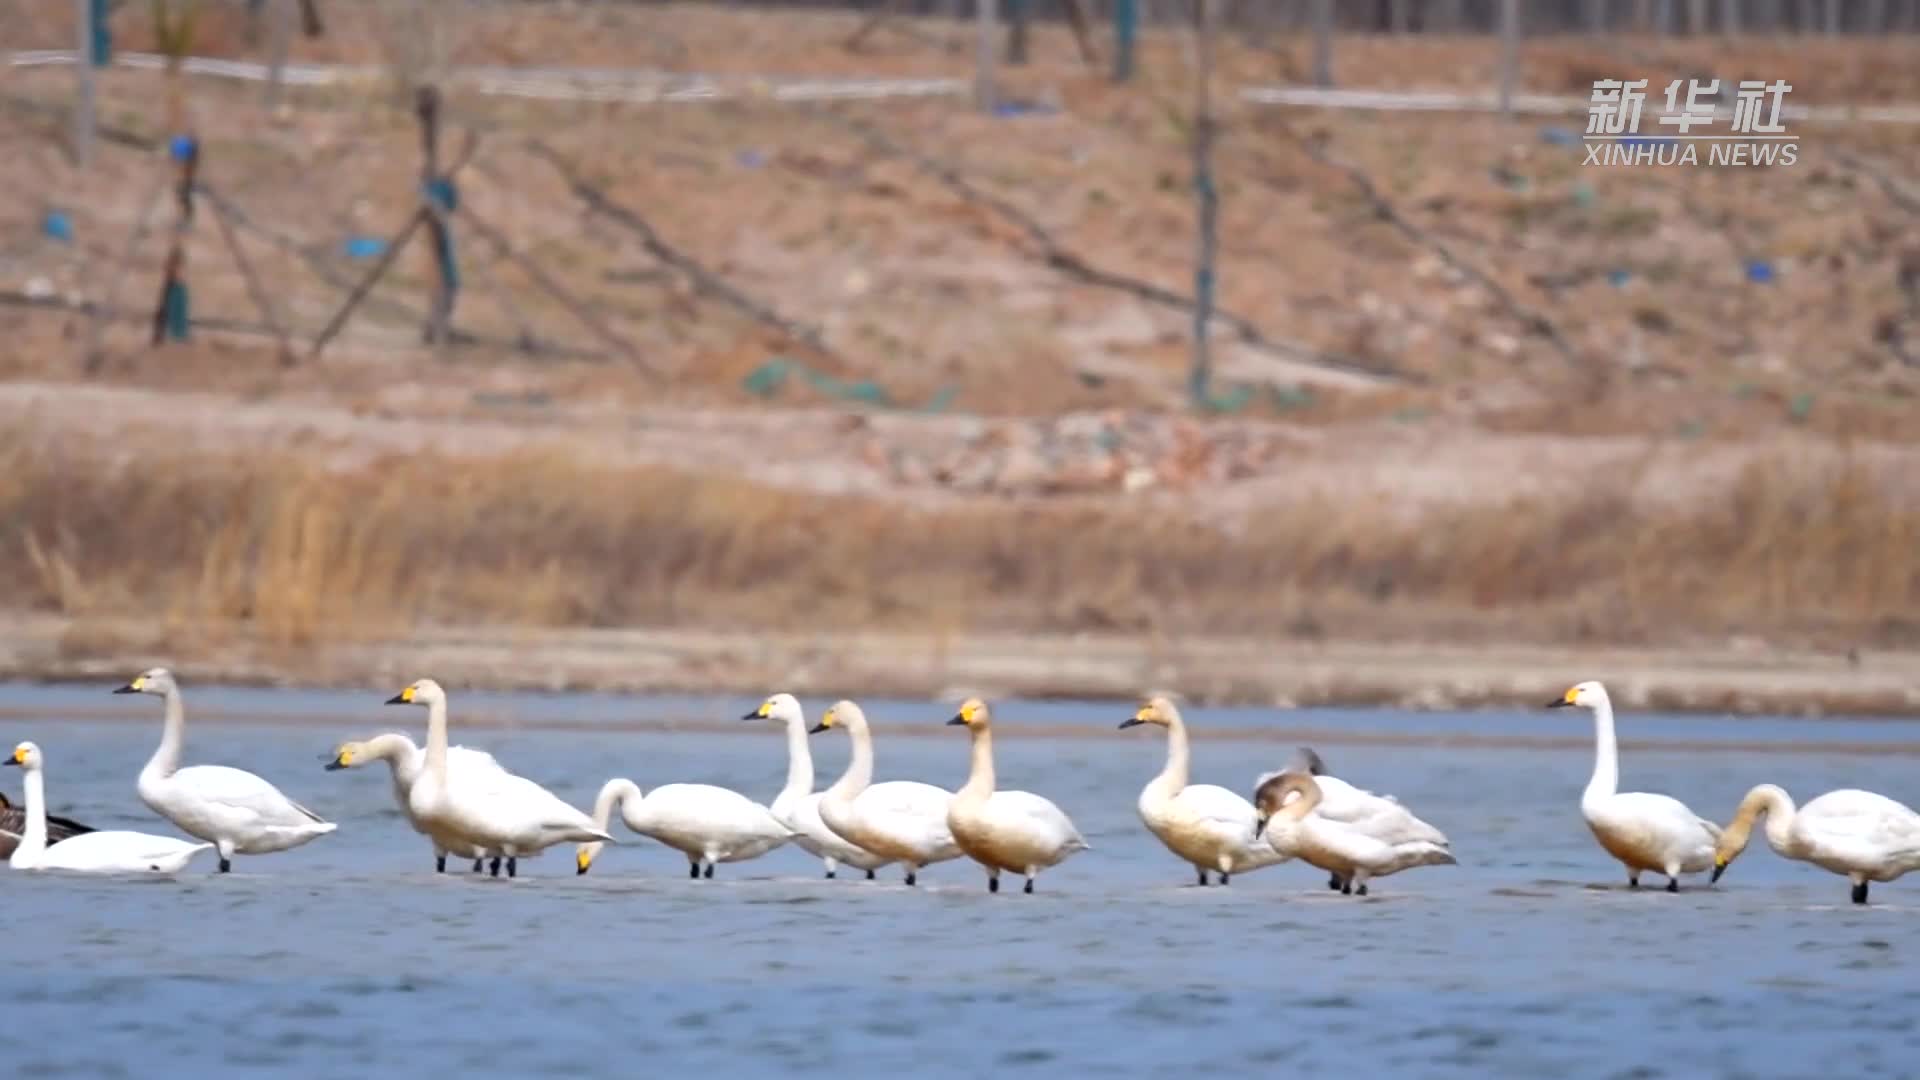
<point>242,790</point>
<point>1211,802</point>
<point>116,850</point>
<point>823,841</point>
<point>1036,813</point>
<point>905,798</point>
<point>1861,824</point>
<point>705,808</point>
<point>462,757</point>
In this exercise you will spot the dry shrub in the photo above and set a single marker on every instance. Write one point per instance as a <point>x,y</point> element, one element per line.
<point>300,552</point>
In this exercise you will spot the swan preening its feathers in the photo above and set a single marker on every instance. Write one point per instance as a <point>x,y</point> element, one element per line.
<point>236,811</point>
<point>1645,832</point>
<point>1351,833</point>
<point>94,851</point>
<point>1014,831</point>
<point>1353,851</point>
<point>1860,835</point>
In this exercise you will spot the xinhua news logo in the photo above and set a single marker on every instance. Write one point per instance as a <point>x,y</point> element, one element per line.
<point>1753,136</point>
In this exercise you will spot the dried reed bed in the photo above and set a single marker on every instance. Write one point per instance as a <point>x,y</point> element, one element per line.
<point>300,553</point>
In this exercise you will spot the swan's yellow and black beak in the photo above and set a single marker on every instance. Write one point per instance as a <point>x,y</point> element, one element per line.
<point>957,721</point>
<point>581,862</point>
<point>132,687</point>
<point>404,697</point>
<point>1562,701</point>
<point>1719,867</point>
<point>341,760</point>
<point>1130,722</point>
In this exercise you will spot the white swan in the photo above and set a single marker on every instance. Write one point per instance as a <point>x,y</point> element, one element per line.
<point>1858,834</point>
<point>798,805</point>
<point>500,812</point>
<point>405,761</point>
<point>1205,824</point>
<point>705,823</point>
<point>904,820</point>
<point>100,852</point>
<point>1645,832</point>
<point>1379,816</point>
<point>1015,831</point>
<point>1286,805</point>
<point>239,812</point>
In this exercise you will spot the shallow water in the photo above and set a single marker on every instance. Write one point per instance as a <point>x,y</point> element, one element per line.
<point>348,957</point>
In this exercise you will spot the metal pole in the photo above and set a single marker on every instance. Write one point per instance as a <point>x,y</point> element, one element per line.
<point>280,34</point>
<point>83,109</point>
<point>989,15</point>
<point>1509,52</point>
<point>1200,378</point>
<point>1322,42</point>
<point>1729,17</point>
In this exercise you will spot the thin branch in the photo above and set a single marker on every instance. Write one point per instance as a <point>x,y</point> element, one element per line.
<point>255,287</point>
<point>553,288</point>
<point>704,279</point>
<point>1073,265</point>
<point>1533,320</point>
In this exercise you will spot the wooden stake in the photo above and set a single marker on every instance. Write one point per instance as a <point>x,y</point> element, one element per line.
<point>984,55</point>
<point>83,102</point>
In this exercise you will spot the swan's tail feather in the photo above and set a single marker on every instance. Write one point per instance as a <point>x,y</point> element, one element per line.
<point>316,818</point>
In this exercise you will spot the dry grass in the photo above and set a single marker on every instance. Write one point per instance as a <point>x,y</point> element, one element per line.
<point>301,553</point>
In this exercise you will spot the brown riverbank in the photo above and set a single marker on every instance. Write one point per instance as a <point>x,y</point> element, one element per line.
<point>1222,671</point>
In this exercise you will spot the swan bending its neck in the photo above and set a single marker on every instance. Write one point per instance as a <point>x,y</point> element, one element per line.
<point>1272,799</point>
<point>859,772</point>
<point>1766,800</point>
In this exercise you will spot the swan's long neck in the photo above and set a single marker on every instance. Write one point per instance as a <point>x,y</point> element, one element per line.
<point>799,764</point>
<point>623,794</point>
<point>393,748</point>
<point>1173,779</point>
<point>980,781</point>
<point>859,767</point>
<point>34,840</point>
<point>1298,809</point>
<point>1778,807</point>
<point>166,757</point>
<point>1606,756</point>
<point>437,739</point>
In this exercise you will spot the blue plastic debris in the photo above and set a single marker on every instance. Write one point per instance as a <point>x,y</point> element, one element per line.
<point>1759,271</point>
<point>1021,108</point>
<point>1619,277</point>
<point>1559,136</point>
<point>364,247</point>
<point>58,226</point>
<point>182,147</point>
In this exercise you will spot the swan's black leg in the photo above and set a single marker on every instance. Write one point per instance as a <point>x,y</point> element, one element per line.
<point>993,884</point>
<point>709,873</point>
<point>1360,890</point>
<point>1346,888</point>
<point>1203,875</point>
<point>1860,893</point>
<point>1334,882</point>
<point>1633,880</point>
<point>693,871</point>
<point>479,864</point>
<point>439,864</point>
<point>1223,877</point>
<point>912,878</point>
<point>1673,884</point>
<point>1029,889</point>
<point>493,868</point>
<point>513,866</point>
<point>870,875</point>
<point>829,875</point>
<point>226,864</point>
